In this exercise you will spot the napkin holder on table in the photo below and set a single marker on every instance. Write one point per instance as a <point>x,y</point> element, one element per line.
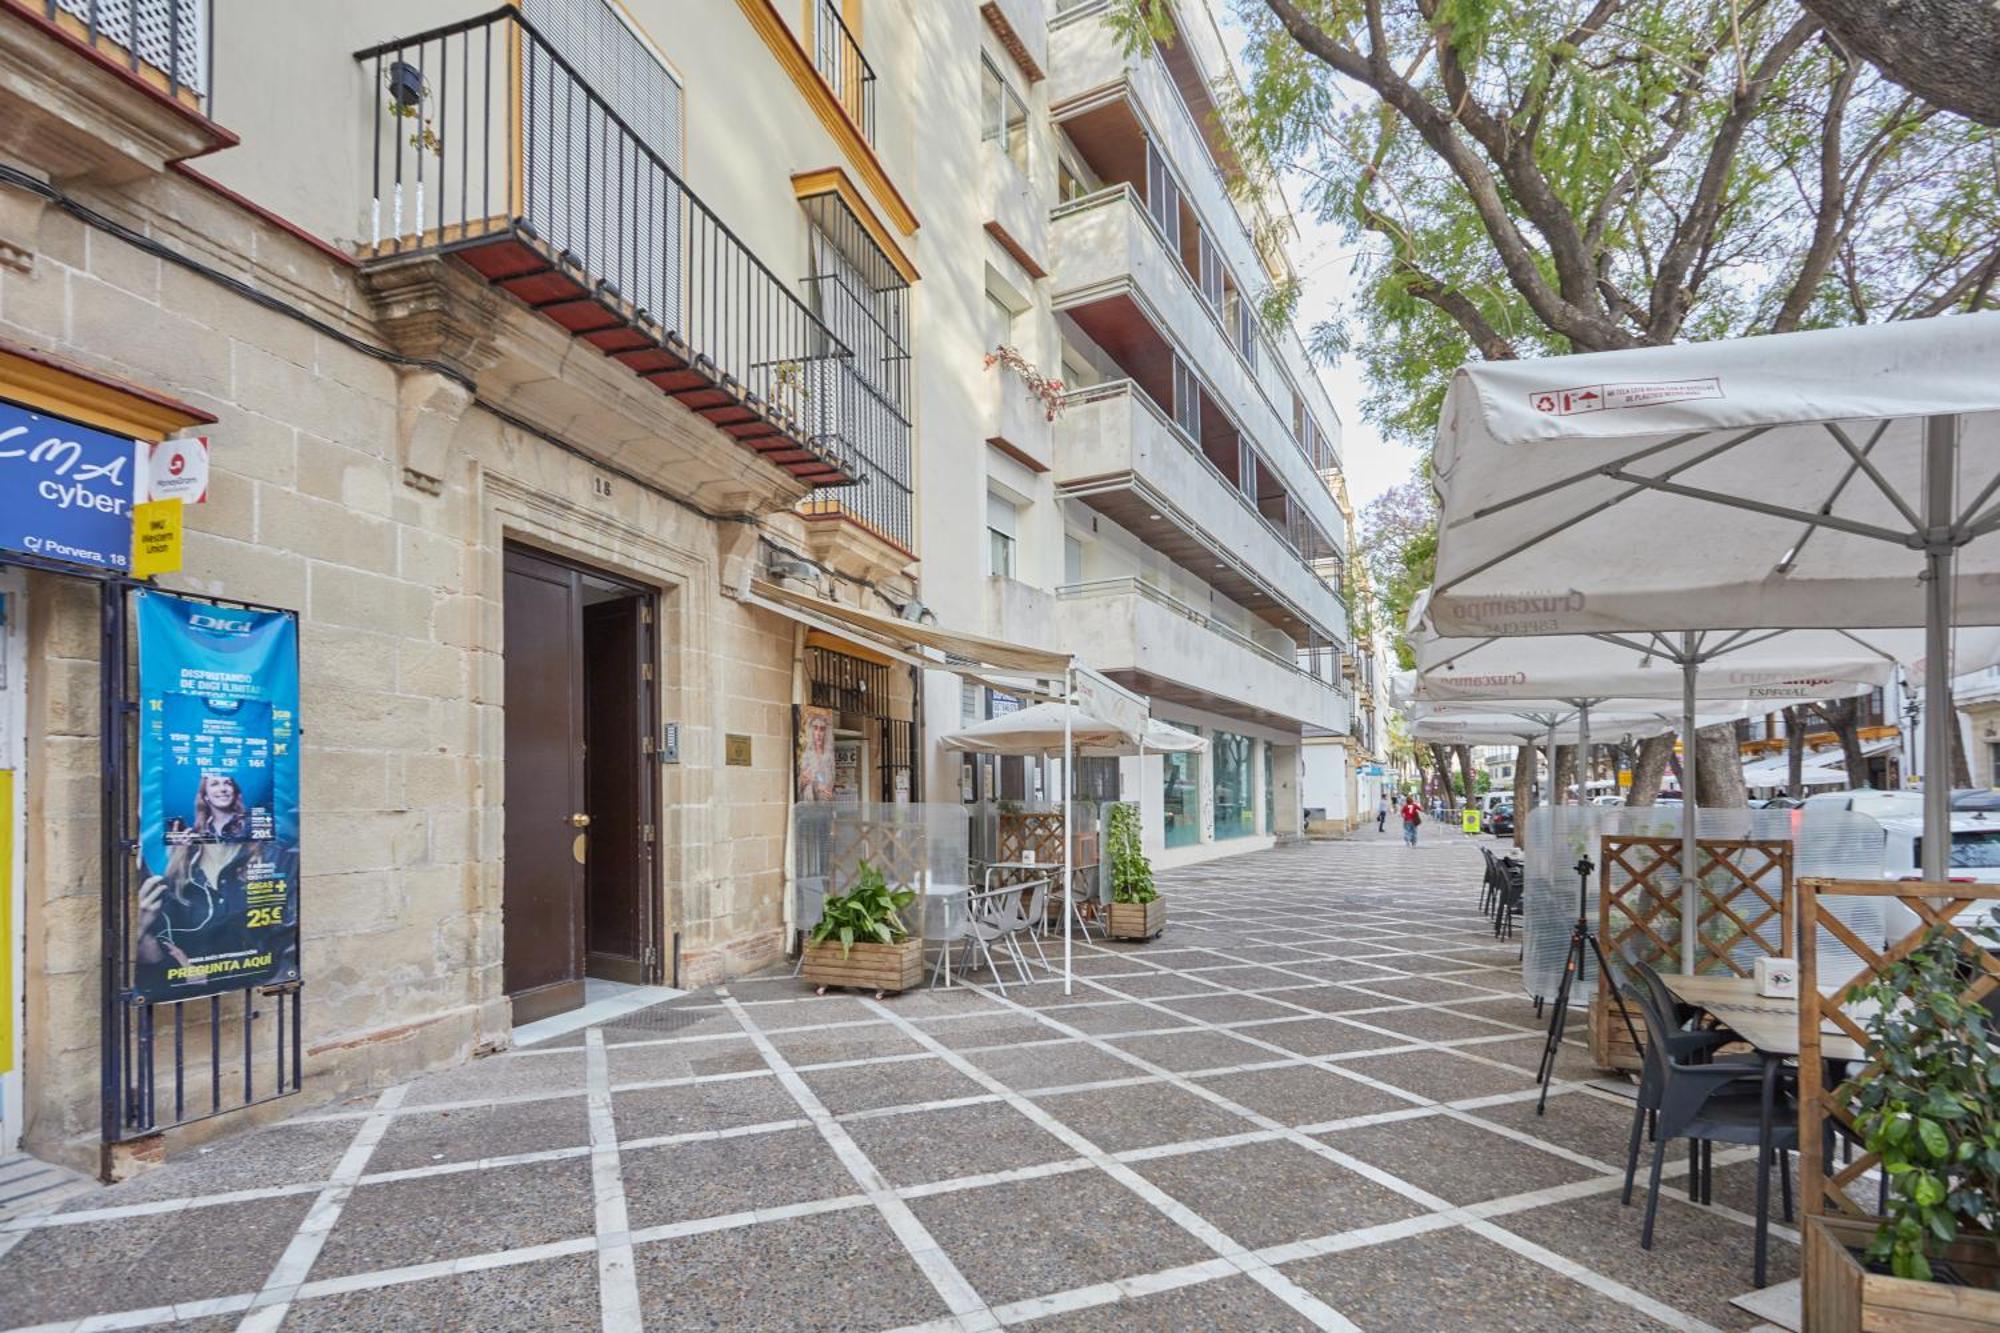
<point>1777,978</point>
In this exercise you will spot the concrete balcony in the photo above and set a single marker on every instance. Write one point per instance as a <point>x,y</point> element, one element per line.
<point>1156,644</point>
<point>1014,419</point>
<point>1117,452</point>
<point>1115,276</point>
<point>1022,27</point>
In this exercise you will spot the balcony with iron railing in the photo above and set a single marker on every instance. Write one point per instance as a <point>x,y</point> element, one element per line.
<point>487,146</point>
<point>838,57</point>
<point>165,44</point>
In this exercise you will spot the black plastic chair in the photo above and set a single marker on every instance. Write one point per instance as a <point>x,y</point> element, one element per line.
<point>1489,886</point>
<point>1507,902</point>
<point>1709,1104</point>
<point>1682,1041</point>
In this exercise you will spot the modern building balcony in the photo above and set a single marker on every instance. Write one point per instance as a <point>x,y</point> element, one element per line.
<point>106,89</point>
<point>1115,276</point>
<point>1151,641</point>
<point>1119,453</point>
<point>486,147</point>
<point>1015,214</point>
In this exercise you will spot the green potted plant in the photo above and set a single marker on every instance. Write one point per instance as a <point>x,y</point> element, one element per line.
<point>861,940</point>
<point>1137,910</point>
<point>1930,1109</point>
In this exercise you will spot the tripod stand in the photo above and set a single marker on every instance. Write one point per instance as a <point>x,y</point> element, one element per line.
<point>1580,935</point>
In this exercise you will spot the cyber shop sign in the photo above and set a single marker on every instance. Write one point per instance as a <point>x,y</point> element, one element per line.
<point>66,491</point>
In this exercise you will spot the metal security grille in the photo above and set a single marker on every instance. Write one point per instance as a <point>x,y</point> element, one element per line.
<point>859,692</point>
<point>169,35</point>
<point>630,81</point>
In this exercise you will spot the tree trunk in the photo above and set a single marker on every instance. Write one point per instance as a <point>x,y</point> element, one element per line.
<point>1843,715</point>
<point>1961,768</point>
<point>1565,773</point>
<point>1441,757</point>
<point>1649,771</point>
<point>1464,753</point>
<point>1718,772</point>
<point>1945,51</point>
<point>1795,750</point>
<point>1524,780</point>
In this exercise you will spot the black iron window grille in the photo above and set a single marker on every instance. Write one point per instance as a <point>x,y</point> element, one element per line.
<point>846,70</point>
<point>487,142</point>
<point>859,692</point>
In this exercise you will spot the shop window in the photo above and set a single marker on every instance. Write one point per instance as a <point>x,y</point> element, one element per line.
<point>1270,788</point>
<point>1235,816</point>
<point>1180,796</point>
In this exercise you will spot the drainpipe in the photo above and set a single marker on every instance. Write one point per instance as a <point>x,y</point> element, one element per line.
<point>791,909</point>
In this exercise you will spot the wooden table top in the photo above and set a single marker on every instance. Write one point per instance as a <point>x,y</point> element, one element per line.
<point>1771,1025</point>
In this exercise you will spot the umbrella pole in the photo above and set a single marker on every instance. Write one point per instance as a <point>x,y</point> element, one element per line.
<point>1940,561</point>
<point>1069,825</point>
<point>1582,751</point>
<point>1690,822</point>
<point>1549,793</point>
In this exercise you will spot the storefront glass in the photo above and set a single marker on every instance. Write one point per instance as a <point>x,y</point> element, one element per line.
<point>1235,815</point>
<point>1180,797</point>
<point>1270,788</point>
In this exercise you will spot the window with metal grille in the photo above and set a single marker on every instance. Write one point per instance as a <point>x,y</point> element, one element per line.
<point>1187,400</point>
<point>1163,196</point>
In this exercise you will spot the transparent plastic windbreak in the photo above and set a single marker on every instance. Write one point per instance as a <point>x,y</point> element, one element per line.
<point>920,847</point>
<point>1825,843</point>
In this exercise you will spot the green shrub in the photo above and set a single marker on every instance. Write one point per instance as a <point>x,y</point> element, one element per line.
<point>1131,872</point>
<point>870,913</point>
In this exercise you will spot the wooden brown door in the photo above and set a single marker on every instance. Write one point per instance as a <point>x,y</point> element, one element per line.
<point>618,893</point>
<point>546,840</point>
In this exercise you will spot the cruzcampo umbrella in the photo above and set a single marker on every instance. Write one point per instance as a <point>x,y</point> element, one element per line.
<point>1835,479</point>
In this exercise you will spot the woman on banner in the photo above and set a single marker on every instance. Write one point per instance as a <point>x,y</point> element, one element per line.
<point>220,903</point>
<point>219,812</point>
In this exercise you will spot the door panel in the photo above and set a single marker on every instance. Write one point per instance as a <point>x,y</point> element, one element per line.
<point>543,893</point>
<point>618,881</point>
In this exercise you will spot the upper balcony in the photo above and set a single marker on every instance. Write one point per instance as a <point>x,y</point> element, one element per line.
<point>106,89</point>
<point>487,146</point>
<point>838,57</point>
<point>1151,641</point>
<point>1116,277</point>
<point>1119,453</point>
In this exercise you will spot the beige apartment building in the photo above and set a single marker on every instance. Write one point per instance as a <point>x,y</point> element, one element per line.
<point>550,356</point>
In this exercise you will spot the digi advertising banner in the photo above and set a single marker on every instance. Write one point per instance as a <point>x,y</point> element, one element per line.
<point>218,905</point>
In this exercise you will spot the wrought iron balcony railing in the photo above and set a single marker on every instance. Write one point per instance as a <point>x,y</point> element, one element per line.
<point>486,143</point>
<point>166,43</point>
<point>846,70</point>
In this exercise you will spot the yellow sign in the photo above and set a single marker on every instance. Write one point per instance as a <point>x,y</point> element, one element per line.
<point>1468,822</point>
<point>736,750</point>
<point>7,919</point>
<point>156,537</point>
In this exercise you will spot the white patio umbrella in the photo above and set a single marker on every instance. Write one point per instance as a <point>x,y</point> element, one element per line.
<point>1842,478</point>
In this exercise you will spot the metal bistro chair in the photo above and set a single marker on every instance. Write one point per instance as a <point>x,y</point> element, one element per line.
<point>1511,883</point>
<point>1709,1104</point>
<point>993,917</point>
<point>1489,884</point>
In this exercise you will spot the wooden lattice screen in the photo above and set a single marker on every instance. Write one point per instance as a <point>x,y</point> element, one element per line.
<point>1022,833</point>
<point>1934,905</point>
<point>900,849</point>
<point>1747,908</point>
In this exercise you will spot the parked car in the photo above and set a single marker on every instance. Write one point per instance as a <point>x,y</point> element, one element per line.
<point>1607,800</point>
<point>1500,821</point>
<point>1976,799</point>
<point>1777,803</point>
<point>1882,805</point>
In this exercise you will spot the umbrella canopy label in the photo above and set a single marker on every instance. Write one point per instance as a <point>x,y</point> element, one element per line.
<point>1621,397</point>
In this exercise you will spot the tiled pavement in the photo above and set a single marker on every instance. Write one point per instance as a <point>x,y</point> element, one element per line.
<point>1308,1105</point>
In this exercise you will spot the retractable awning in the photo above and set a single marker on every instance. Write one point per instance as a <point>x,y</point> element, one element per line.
<point>919,645</point>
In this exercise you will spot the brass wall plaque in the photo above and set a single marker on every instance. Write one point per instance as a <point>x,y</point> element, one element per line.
<point>736,750</point>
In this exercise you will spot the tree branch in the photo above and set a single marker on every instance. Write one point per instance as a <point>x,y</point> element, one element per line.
<point>1832,210</point>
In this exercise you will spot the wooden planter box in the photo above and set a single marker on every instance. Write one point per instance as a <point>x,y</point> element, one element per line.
<point>883,967</point>
<point>1841,1296</point>
<point>1610,1044</point>
<point>1138,921</point>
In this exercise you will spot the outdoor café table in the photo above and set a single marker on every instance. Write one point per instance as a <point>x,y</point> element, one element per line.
<point>1771,1027</point>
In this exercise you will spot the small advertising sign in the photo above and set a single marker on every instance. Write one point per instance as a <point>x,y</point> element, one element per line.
<point>156,538</point>
<point>178,470</point>
<point>66,491</point>
<point>218,906</point>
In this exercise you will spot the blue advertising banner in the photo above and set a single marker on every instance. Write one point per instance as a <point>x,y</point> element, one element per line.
<point>66,491</point>
<point>218,905</point>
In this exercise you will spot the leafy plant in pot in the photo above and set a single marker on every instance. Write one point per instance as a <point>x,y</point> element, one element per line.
<point>861,939</point>
<point>1137,910</point>
<point>1932,1113</point>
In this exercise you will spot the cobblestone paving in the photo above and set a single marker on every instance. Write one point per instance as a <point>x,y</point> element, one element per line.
<point>1308,1105</point>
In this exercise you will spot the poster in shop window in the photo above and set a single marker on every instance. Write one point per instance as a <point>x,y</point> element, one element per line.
<point>218,890</point>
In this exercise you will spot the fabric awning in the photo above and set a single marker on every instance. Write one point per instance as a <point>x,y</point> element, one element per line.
<point>920,645</point>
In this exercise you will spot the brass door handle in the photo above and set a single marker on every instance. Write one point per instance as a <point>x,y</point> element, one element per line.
<point>579,821</point>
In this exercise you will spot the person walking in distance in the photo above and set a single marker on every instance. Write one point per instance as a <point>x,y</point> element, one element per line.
<point>1413,815</point>
<point>1382,812</point>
